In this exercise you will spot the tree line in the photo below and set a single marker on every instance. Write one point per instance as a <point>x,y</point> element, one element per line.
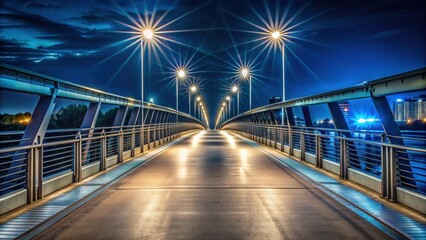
<point>70,116</point>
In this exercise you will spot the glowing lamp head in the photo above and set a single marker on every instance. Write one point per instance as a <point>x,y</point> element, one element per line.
<point>244,72</point>
<point>198,99</point>
<point>193,89</point>
<point>148,34</point>
<point>234,89</point>
<point>275,34</point>
<point>228,98</point>
<point>181,74</point>
<point>201,104</point>
<point>151,100</point>
<point>224,104</point>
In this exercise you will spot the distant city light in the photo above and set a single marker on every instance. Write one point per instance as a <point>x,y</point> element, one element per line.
<point>25,120</point>
<point>361,120</point>
<point>367,120</point>
<point>399,100</point>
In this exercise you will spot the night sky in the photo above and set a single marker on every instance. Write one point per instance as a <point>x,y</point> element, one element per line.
<point>332,45</point>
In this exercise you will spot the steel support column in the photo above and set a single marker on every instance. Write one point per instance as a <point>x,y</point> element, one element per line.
<point>290,123</point>
<point>391,129</point>
<point>87,129</point>
<point>341,124</point>
<point>34,133</point>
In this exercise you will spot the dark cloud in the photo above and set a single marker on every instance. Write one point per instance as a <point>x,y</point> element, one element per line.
<point>41,5</point>
<point>37,22</point>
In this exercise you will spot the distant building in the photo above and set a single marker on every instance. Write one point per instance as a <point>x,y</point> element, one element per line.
<point>398,110</point>
<point>344,106</point>
<point>275,100</point>
<point>410,109</point>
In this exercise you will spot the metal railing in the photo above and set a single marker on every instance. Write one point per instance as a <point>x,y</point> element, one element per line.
<point>369,157</point>
<point>394,160</point>
<point>20,166</point>
<point>31,159</point>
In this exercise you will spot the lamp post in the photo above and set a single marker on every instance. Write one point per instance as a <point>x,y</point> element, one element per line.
<point>245,74</point>
<point>181,74</point>
<point>224,108</point>
<point>278,36</point>
<point>145,35</point>
<point>192,89</point>
<point>222,115</point>
<point>199,110</point>
<point>228,98</point>
<point>195,105</point>
<point>235,90</point>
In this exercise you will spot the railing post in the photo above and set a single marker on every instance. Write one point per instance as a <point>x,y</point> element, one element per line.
<point>174,131</point>
<point>132,143</point>
<point>318,150</point>
<point>384,165</point>
<point>265,135</point>
<point>392,174</point>
<point>344,165</point>
<point>268,136</point>
<point>169,132</point>
<point>302,146</point>
<point>275,137</point>
<point>141,138</point>
<point>163,134</point>
<point>282,138</point>
<point>290,141</point>
<point>77,158</point>
<point>154,133</point>
<point>148,136</point>
<point>120,146</point>
<point>39,173</point>
<point>103,150</point>
<point>30,174</point>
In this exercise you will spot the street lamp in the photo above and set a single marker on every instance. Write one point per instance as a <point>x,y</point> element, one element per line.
<point>278,36</point>
<point>146,34</point>
<point>151,100</point>
<point>224,106</point>
<point>180,74</point>
<point>235,90</point>
<point>192,89</point>
<point>197,99</point>
<point>245,74</point>
<point>228,98</point>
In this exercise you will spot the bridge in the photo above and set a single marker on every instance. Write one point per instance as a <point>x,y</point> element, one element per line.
<point>160,173</point>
